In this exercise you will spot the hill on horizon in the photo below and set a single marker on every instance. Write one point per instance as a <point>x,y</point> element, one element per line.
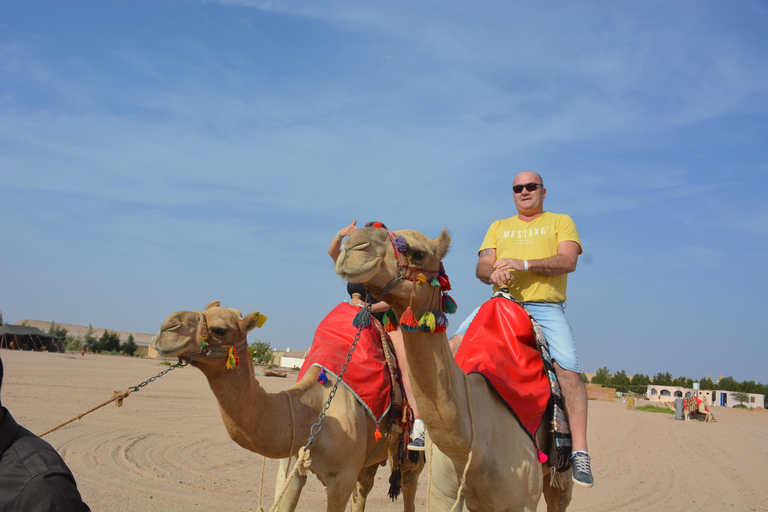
<point>140,338</point>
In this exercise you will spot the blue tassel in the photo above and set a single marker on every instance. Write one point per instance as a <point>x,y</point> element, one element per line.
<point>322,378</point>
<point>362,318</point>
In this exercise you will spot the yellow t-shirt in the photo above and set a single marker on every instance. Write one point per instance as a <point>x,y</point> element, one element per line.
<point>535,240</point>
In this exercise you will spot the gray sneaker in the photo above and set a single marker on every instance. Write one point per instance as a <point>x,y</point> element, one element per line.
<point>582,474</point>
<point>417,445</point>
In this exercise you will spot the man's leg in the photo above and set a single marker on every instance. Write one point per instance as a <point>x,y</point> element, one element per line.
<point>575,398</point>
<point>557,331</point>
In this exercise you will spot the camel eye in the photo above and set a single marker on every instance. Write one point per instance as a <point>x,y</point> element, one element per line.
<point>418,255</point>
<point>218,331</point>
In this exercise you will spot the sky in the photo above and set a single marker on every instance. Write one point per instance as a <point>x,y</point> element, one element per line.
<point>157,155</point>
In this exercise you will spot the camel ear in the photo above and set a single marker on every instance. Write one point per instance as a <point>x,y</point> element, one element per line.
<point>254,319</point>
<point>214,304</point>
<point>443,241</point>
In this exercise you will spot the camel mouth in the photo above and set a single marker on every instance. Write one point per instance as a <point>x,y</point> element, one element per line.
<point>356,272</point>
<point>169,344</point>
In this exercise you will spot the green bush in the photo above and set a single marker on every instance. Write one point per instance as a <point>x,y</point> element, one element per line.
<point>655,408</point>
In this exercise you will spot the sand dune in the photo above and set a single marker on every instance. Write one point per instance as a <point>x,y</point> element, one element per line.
<point>166,449</point>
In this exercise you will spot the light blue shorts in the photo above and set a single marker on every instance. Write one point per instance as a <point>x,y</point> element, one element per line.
<point>557,330</point>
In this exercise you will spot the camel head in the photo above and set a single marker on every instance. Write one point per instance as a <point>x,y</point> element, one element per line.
<point>404,267</point>
<point>211,332</point>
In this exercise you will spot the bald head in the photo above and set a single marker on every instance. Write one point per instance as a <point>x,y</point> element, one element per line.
<point>527,177</point>
<point>529,193</point>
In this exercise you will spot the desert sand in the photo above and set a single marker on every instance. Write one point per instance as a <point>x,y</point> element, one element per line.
<point>166,448</point>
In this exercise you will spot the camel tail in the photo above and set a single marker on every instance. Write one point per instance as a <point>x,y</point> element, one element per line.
<point>395,484</point>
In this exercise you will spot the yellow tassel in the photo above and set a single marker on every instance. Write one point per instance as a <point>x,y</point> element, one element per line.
<point>421,278</point>
<point>233,361</point>
<point>427,322</point>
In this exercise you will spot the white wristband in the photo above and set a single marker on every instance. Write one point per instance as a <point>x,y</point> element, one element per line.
<point>339,237</point>
<point>525,265</point>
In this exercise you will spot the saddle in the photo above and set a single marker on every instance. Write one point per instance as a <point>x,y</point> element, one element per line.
<point>506,346</point>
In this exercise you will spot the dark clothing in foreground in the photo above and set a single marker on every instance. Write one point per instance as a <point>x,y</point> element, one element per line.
<point>33,476</point>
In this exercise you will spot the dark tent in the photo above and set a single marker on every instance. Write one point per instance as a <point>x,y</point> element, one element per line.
<point>22,337</point>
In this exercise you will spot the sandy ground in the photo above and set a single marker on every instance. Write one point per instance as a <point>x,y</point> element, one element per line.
<point>166,449</point>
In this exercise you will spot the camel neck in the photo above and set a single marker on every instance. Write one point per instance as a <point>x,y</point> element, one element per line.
<point>439,386</point>
<point>248,411</point>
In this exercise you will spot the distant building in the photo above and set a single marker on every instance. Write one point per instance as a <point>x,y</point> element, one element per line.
<point>716,398</point>
<point>289,358</point>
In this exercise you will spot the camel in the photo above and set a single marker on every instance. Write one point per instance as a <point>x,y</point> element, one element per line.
<point>345,454</point>
<point>692,406</point>
<point>464,417</point>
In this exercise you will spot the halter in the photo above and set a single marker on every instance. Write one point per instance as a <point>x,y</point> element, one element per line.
<point>430,321</point>
<point>219,351</point>
<point>405,271</point>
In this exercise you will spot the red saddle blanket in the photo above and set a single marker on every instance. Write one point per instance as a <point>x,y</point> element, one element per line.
<point>366,376</point>
<point>500,345</point>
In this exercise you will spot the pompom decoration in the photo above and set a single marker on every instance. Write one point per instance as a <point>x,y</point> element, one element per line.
<point>434,282</point>
<point>408,320</point>
<point>441,322</point>
<point>377,435</point>
<point>427,322</point>
<point>390,321</point>
<point>449,305</point>
<point>377,225</point>
<point>543,457</point>
<point>421,278</point>
<point>444,284</point>
<point>233,361</point>
<point>322,378</point>
<point>362,318</point>
<point>401,244</point>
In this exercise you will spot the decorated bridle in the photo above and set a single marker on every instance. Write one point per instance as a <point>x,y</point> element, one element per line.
<point>227,351</point>
<point>431,321</point>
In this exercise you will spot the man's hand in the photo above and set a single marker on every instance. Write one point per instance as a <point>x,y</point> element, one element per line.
<point>501,277</point>
<point>509,264</point>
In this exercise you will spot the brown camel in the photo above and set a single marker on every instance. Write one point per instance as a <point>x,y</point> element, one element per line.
<point>344,455</point>
<point>464,416</point>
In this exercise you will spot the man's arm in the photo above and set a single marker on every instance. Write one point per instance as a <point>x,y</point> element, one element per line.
<point>487,273</point>
<point>564,262</point>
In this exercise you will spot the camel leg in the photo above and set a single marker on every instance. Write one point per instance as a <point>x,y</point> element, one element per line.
<point>410,478</point>
<point>340,487</point>
<point>293,492</point>
<point>365,481</point>
<point>557,498</point>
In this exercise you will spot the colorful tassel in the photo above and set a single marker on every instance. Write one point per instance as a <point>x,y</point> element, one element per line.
<point>543,457</point>
<point>449,305</point>
<point>322,378</point>
<point>233,360</point>
<point>362,318</point>
<point>401,244</point>
<point>390,321</point>
<point>441,322</point>
<point>445,284</point>
<point>408,320</point>
<point>435,282</point>
<point>377,435</point>
<point>427,322</point>
<point>421,278</point>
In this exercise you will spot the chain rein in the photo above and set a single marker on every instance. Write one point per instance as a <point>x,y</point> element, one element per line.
<point>317,427</point>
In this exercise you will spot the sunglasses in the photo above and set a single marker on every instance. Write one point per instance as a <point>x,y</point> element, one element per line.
<point>530,187</point>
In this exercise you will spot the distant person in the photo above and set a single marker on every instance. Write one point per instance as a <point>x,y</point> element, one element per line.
<point>378,308</point>
<point>33,476</point>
